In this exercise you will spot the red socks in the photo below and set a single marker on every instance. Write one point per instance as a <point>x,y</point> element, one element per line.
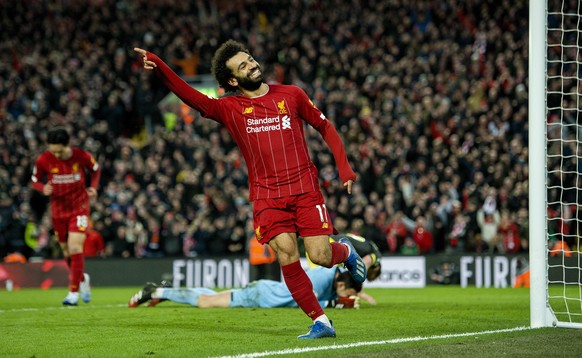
<point>301,289</point>
<point>339,253</point>
<point>77,270</point>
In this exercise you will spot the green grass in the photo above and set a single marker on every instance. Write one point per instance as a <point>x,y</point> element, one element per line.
<point>33,324</point>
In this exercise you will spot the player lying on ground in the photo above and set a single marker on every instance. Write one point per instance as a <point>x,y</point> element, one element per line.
<point>370,254</point>
<point>332,286</point>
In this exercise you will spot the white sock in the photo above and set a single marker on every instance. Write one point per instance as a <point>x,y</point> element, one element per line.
<point>157,293</point>
<point>323,319</point>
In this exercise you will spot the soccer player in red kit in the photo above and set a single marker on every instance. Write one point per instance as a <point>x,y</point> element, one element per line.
<point>60,173</point>
<point>267,123</point>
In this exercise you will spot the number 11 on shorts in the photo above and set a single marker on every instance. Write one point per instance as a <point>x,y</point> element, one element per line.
<point>322,214</point>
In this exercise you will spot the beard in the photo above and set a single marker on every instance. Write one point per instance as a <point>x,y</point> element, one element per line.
<point>251,84</point>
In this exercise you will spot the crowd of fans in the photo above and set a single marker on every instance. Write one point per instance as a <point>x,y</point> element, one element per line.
<point>430,98</point>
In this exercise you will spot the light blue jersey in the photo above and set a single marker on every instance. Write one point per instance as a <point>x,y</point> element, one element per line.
<point>271,294</point>
<point>263,293</point>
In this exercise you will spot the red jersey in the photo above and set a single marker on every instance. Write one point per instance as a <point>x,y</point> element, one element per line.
<point>510,235</point>
<point>93,245</point>
<point>68,179</point>
<point>423,239</point>
<point>269,130</point>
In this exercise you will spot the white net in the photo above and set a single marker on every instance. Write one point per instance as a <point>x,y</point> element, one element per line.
<point>564,159</point>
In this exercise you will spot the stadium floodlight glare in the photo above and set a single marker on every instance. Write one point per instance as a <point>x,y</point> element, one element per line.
<point>555,163</point>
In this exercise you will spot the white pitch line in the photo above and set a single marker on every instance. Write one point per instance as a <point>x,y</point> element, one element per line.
<point>373,343</point>
<point>58,308</point>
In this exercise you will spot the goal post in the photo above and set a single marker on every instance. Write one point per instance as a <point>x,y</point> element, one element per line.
<point>555,163</point>
<point>537,168</point>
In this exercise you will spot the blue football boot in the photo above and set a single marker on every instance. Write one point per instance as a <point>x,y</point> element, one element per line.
<point>319,330</point>
<point>354,262</point>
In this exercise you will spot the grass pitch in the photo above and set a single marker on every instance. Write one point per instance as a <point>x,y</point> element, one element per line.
<point>431,322</point>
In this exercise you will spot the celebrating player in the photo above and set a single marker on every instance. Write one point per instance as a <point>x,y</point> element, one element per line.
<point>64,168</point>
<point>332,286</point>
<point>266,121</point>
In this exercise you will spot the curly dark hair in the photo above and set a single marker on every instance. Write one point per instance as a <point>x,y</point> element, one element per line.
<point>224,53</point>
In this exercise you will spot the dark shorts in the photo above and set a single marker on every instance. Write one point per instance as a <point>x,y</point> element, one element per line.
<point>304,214</point>
<point>73,223</point>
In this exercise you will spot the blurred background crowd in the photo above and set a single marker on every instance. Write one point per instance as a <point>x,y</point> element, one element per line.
<point>430,98</point>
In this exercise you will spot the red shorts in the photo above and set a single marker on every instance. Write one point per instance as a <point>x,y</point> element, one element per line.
<point>304,214</point>
<point>73,223</point>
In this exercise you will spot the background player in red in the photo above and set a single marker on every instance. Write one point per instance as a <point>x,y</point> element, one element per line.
<point>267,123</point>
<point>60,174</point>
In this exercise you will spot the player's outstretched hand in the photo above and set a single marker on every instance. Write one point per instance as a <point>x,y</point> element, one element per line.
<point>367,297</point>
<point>348,186</point>
<point>147,64</point>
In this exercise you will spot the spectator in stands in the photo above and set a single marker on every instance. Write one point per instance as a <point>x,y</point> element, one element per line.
<point>396,233</point>
<point>422,236</point>
<point>488,218</point>
<point>509,233</point>
<point>458,236</point>
<point>408,247</point>
<point>523,225</point>
<point>94,246</point>
<point>371,228</point>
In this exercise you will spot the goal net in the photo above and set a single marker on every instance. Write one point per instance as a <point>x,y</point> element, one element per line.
<point>555,188</point>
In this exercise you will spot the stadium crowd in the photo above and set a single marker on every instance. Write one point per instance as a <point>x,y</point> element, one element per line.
<point>430,98</point>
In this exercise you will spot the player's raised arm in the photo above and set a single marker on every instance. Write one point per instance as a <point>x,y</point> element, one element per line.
<point>175,83</point>
<point>312,115</point>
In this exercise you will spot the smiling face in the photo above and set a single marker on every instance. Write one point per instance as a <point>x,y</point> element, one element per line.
<point>247,72</point>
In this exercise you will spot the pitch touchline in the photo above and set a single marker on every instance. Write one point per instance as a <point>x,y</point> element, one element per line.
<point>58,308</point>
<point>373,343</point>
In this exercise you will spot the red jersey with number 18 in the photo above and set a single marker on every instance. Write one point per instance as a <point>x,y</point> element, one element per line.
<point>68,178</point>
